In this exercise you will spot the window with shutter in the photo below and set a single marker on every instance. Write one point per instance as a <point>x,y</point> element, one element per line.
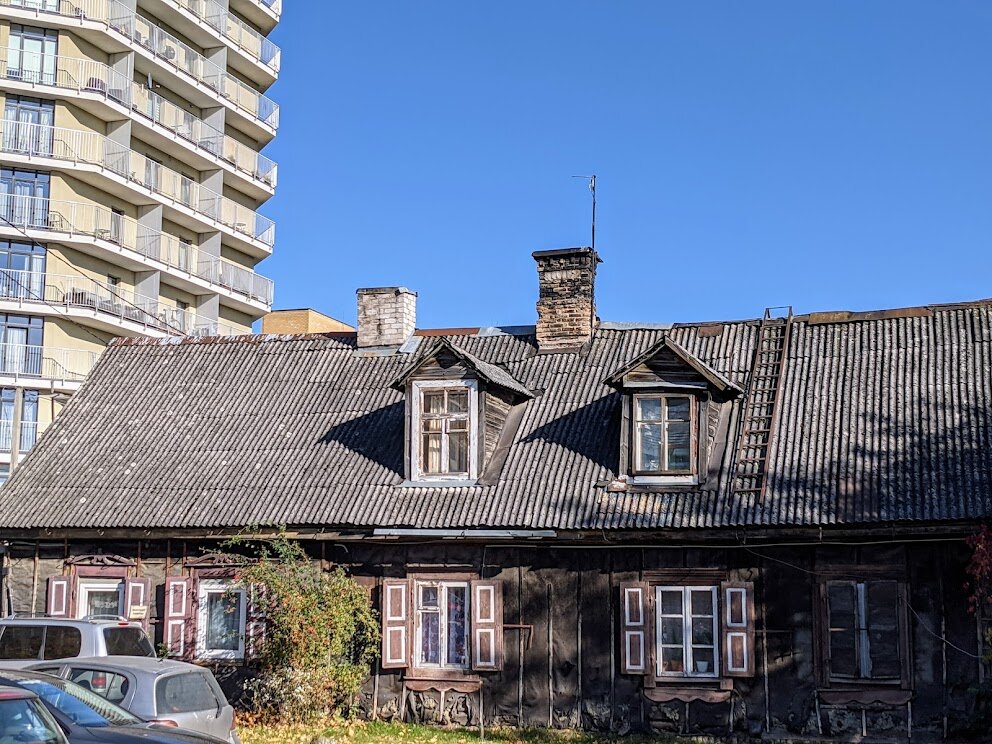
<point>137,599</point>
<point>634,619</point>
<point>487,625</point>
<point>396,623</point>
<point>59,596</point>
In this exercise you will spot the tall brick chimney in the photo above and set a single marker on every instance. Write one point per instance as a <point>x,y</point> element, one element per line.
<point>387,316</point>
<point>566,306</point>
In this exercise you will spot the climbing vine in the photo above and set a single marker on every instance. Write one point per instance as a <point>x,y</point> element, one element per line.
<point>321,633</point>
<point>980,570</point>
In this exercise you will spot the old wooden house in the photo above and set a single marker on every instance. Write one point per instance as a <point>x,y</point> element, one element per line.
<point>748,528</point>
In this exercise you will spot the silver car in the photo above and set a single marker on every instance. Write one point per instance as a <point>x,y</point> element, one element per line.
<point>159,690</point>
<point>28,640</point>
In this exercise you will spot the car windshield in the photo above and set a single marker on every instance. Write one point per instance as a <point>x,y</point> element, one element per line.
<point>127,641</point>
<point>26,720</point>
<point>79,705</point>
<point>185,693</point>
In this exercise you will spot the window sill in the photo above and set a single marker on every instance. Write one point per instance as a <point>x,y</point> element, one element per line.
<point>445,680</point>
<point>687,694</point>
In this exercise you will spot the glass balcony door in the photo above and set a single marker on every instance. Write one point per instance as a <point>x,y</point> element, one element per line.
<point>24,197</point>
<point>31,54</point>
<point>28,125</point>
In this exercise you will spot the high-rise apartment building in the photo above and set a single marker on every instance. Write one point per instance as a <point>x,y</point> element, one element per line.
<point>132,174</point>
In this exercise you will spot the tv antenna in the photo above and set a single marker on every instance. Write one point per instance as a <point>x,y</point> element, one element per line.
<point>592,188</point>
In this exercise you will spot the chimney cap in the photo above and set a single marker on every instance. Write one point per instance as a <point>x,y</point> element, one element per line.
<point>385,290</point>
<point>577,251</point>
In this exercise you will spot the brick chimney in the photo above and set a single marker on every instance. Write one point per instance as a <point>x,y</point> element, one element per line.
<point>387,316</point>
<point>566,306</point>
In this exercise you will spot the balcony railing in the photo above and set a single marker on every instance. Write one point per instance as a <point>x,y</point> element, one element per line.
<point>167,49</point>
<point>76,218</point>
<point>243,36</point>
<point>202,135</point>
<point>87,76</point>
<point>29,435</point>
<point>23,360</point>
<point>110,301</point>
<point>78,146</point>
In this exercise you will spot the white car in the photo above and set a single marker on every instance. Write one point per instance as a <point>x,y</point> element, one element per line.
<point>172,693</point>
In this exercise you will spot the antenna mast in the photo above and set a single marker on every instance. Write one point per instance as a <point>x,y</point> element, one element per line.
<point>592,188</point>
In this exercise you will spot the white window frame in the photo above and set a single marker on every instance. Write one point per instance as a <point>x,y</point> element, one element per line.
<point>87,586</point>
<point>418,389</point>
<point>219,586</point>
<point>688,663</point>
<point>442,598</point>
<point>689,475</point>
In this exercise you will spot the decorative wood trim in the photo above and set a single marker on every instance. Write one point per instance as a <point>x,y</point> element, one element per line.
<point>685,576</point>
<point>100,559</point>
<point>215,560</point>
<point>668,694</point>
<point>864,696</point>
<point>442,684</point>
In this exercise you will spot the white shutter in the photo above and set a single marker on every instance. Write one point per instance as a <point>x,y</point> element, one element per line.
<point>178,633</point>
<point>738,628</point>
<point>487,625</point>
<point>396,623</point>
<point>137,594</point>
<point>634,628</point>
<point>59,596</point>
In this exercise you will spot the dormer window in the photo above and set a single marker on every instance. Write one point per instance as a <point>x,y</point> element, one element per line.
<point>445,415</point>
<point>664,434</point>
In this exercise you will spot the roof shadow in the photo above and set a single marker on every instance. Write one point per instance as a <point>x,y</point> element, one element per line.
<point>592,431</point>
<point>377,435</point>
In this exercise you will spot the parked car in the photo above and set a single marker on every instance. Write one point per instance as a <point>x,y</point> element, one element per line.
<point>28,640</point>
<point>87,718</point>
<point>25,720</point>
<point>161,690</point>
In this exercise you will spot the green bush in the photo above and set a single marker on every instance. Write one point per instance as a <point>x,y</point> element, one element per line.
<point>321,634</point>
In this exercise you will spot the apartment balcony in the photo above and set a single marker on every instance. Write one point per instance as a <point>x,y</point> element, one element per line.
<point>263,13</point>
<point>124,241</point>
<point>192,75</point>
<point>203,22</point>
<point>127,173</point>
<point>109,308</point>
<point>109,95</point>
<point>43,367</point>
<point>27,440</point>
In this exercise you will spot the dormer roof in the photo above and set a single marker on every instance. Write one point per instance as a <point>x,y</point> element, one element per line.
<point>487,372</point>
<point>621,379</point>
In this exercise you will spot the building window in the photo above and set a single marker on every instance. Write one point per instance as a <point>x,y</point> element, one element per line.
<point>687,627</point>
<point>31,54</point>
<point>222,620</point>
<point>29,419</point>
<point>22,270</point>
<point>24,198</point>
<point>442,624</point>
<point>27,127</point>
<point>863,623</point>
<point>100,598</point>
<point>444,429</point>
<point>21,344</point>
<point>664,427</point>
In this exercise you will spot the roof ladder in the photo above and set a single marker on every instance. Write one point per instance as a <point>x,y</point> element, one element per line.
<point>761,403</point>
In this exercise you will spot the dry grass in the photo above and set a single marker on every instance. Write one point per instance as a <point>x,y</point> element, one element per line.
<point>362,732</point>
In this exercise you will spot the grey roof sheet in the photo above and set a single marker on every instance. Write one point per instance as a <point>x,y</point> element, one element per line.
<point>882,420</point>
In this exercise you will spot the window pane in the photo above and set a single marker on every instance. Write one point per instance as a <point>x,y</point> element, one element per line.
<point>678,409</point>
<point>702,631</point>
<point>106,603</point>
<point>108,685</point>
<point>671,603</point>
<point>702,602</point>
<point>671,659</point>
<point>649,409</point>
<point>21,641</point>
<point>458,452</point>
<point>127,642</point>
<point>223,619</point>
<point>434,424</point>
<point>62,642</point>
<point>434,402</point>
<point>671,630</point>
<point>428,596</point>
<point>457,424</point>
<point>842,600</point>
<point>456,653</point>
<point>649,454</point>
<point>679,446</point>
<point>185,693</point>
<point>458,401</point>
<point>702,660</point>
<point>883,629</point>
<point>430,638</point>
<point>431,453</point>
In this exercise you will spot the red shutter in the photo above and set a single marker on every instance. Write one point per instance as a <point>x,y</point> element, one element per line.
<point>180,617</point>
<point>257,620</point>
<point>487,625</point>
<point>635,624</point>
<point>137,593</point>
<point>396,623</point>
<point>59,596</point>
<point>738,628</point>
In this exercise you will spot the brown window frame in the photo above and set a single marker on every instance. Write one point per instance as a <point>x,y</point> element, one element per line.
<point>635,437</point>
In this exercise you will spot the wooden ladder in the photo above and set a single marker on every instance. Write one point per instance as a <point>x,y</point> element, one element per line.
<point>761,404</point>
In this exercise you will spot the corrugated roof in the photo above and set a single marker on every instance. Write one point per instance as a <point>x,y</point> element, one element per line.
<point>885,419</point>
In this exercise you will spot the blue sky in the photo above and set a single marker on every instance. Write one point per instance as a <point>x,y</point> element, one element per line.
<point>828,155</point>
